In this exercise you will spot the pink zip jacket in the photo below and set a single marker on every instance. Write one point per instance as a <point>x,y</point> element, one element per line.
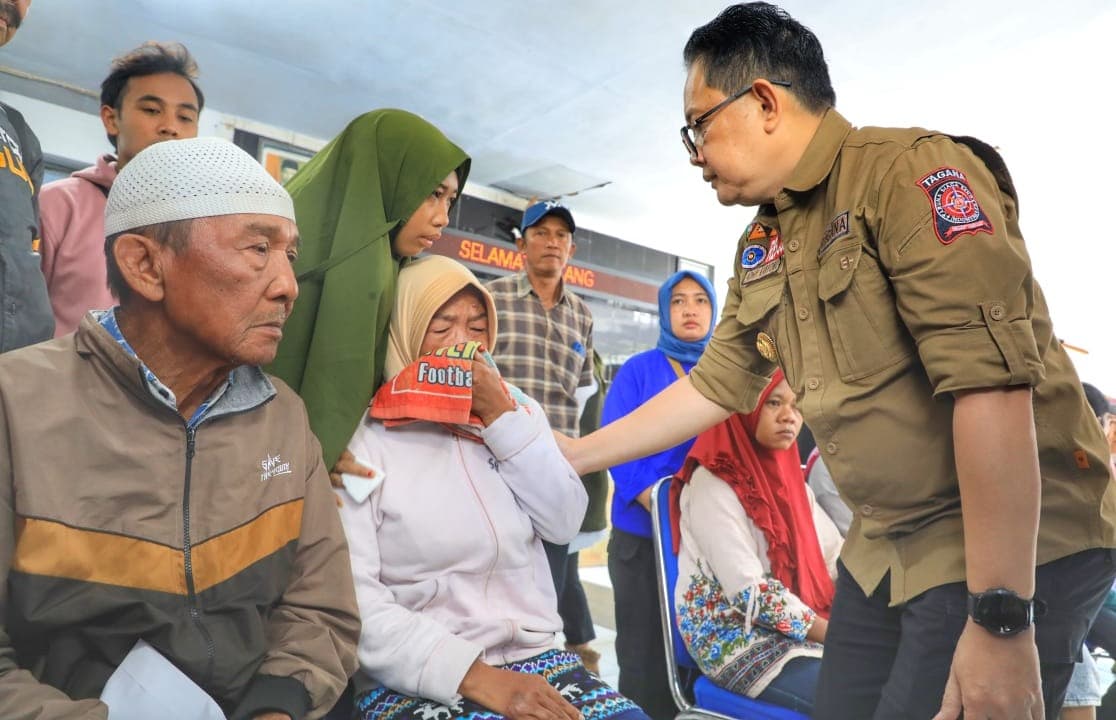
<point>72,213</point>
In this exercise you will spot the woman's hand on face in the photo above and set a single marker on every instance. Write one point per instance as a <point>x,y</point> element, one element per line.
<point>490,398</point>
<point>347,464</point>
<point>516,696</point>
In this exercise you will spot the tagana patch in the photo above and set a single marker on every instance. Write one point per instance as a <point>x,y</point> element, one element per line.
<point>956,209</point>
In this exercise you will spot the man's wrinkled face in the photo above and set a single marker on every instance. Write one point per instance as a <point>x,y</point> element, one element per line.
<point>12,13</point>
<point>230,290</point>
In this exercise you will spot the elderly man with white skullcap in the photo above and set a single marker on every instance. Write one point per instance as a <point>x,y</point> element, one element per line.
<point>159,494</point>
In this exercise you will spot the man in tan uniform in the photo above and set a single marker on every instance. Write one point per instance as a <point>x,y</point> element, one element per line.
<point>887,275</point>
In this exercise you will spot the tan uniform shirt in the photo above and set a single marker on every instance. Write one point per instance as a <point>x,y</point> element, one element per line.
<point>889,273</point>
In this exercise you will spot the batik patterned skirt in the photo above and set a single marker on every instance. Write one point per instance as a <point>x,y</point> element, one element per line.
<point>562,670</point>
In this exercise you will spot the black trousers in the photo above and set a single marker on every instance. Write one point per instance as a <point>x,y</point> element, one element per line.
<point>639,628</point>
<point>893,662</point>
<point>573,606</point>
<point>1103,632</point>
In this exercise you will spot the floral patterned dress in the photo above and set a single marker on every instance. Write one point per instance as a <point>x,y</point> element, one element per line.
<point>740,624</point>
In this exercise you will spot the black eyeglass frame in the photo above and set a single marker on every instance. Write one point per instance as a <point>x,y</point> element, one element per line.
<point>687,131</point>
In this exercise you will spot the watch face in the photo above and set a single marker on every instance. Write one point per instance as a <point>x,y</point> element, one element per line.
<point>1002,611</point>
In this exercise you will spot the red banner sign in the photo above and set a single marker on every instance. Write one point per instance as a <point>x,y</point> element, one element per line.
<point>486,254</point>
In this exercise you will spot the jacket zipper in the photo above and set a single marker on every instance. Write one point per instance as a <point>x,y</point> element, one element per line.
<point>484,511</point>
<point>187,553</point>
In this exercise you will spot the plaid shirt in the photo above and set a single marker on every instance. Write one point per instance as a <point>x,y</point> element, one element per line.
<point>546,353</point>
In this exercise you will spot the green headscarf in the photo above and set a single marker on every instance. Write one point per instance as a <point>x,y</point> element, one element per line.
<point>366,182</point>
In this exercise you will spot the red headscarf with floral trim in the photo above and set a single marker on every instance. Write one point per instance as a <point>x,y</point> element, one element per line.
<point>772,490</point>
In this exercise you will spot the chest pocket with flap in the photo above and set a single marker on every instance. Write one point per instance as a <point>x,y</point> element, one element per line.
<point>867,333</point>
<point>763,307</point>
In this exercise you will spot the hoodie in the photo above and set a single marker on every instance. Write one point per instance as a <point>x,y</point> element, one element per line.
<point>72,213</point>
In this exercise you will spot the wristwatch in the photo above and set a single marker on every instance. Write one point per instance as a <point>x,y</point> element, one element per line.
<point>1002,612</point>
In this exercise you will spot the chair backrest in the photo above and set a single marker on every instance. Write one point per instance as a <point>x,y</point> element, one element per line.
<point>667,567</point>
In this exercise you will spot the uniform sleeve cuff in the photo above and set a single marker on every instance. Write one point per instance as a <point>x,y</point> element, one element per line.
<point>271,693</point>
<point>738,395</point>
<point>1000,354</point>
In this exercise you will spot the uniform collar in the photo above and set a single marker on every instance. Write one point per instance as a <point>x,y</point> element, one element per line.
<point>821,154</point>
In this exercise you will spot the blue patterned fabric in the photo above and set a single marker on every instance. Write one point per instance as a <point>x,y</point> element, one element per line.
<point>734,655</point>
<point>563,670</point>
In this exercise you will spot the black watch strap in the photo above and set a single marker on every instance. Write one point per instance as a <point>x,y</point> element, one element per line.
<point>1002,612</point>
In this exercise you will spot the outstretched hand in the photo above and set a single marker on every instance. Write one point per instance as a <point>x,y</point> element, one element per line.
<point>568,446</point>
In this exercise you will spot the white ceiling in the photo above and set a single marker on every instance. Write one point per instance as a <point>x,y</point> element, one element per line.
<point>553,96</point>
<point>548,98</point>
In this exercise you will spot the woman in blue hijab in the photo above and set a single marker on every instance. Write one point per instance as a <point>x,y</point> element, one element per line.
<point>687,306</point>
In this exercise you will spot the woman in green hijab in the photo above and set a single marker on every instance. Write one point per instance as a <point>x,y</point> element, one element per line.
<point>378,193</point>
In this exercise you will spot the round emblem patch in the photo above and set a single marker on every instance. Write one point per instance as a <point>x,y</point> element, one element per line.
<point>752,256</point>
<point>766,346</point>
<point>954,203</point>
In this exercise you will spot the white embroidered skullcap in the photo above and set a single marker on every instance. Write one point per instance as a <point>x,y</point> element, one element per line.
<point>195,178</point>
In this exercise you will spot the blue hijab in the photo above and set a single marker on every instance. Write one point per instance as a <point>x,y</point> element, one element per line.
<point>681,350</point>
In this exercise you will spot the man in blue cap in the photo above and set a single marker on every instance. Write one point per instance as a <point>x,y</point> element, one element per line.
<point>545,347</point>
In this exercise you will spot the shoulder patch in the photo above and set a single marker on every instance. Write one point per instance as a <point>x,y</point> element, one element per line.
<point>956,210</point>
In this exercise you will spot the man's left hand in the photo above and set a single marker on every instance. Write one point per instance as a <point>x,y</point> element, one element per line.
<point>993,677</point>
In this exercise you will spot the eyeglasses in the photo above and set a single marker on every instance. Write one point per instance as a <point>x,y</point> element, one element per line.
<point>693,135</point>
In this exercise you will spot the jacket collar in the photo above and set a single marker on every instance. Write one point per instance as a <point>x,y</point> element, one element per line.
<point>247,387</point>
<point>821,154</point>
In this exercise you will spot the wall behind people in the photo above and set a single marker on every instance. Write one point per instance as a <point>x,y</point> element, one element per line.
<point>77,135</point>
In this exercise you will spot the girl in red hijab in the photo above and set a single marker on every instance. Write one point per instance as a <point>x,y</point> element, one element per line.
<point>756,556</point>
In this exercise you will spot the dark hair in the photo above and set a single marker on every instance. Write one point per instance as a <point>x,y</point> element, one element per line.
<point>151,58</point>
<point>759,40</point>
<point>1097,401</point>
<point>174,234</point>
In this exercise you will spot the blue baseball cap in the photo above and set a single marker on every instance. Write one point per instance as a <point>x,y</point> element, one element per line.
<point>535,213</point>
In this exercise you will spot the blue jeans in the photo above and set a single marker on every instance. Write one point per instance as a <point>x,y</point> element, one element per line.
<point>794,686</point>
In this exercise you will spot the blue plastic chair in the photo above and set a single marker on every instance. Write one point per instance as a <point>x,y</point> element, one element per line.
<point>710,701</point>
